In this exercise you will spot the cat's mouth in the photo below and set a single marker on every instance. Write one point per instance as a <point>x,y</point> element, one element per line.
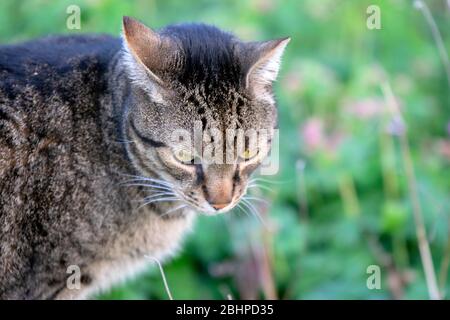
<point>212,211</point>
<point>208,209</point>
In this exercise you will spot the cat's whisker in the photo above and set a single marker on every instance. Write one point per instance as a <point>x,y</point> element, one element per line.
<point>142,178</point>
<point>151,182</point>
<point>252,209</point>
<point>169,199</point>
<point>257,199</point>
<point>173,210</point>
<point>151,186</point>
<point>158,195</point>
<point>248,210</point>
<point>260,186</point>
<point>239,206</point>
<point>147,180</point>
<point>152,196</point>
<point>266,181</point>
<point>191,199</point>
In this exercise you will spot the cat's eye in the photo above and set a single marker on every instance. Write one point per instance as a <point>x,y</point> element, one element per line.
<point>248,154</point>
<point>185,156</point>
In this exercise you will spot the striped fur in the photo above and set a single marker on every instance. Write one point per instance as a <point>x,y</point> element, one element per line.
<point>78,117</point>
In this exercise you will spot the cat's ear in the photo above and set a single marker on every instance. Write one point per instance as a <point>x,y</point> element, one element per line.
<point>150,50</point>
<point>262,62</point>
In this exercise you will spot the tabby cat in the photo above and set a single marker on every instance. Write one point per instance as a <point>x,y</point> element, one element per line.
<point>88,172</point>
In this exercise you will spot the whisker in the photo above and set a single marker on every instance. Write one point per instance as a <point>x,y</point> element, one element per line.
<point>169,199</point>
<point>158,195</point>
<point>149,179</point>
<point>141,178</point>
<point>162,193</point>
<point>187,197</point>
<point>267,181</point>
<point>252,209</point>
<point>259,186</point>
<point>152,186</point>
<point>257,199</point>
<point>173,210</point>
<point>239,206</point>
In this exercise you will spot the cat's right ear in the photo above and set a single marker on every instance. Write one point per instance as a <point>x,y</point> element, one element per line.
<point>149,50</point>
<point>261,63</point>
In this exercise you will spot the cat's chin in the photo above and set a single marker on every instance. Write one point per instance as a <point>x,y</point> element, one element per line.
<point>213,212</point>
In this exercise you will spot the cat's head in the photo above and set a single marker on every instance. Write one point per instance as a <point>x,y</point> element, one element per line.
<point>201,111</point>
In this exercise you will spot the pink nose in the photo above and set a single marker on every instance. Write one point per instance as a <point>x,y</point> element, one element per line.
<point>219,206</point>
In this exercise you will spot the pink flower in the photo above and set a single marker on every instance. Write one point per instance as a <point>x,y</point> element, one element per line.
<point>313,134</point>
<point>444,148</point>
<point>367,108</point>
<point>264,6</point>
<point>316,139</point>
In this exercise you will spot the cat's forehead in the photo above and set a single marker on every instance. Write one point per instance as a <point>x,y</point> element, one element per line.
<point>222,111</point>
<point>205,56</point>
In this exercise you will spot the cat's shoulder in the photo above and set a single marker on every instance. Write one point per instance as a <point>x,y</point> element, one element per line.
<point>52,49</point>
<point>54,62</point>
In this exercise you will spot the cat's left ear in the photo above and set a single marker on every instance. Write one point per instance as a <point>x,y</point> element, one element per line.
<point>261,61</point>
<point>151,51</point>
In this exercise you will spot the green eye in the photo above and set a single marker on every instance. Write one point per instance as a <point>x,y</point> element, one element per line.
<point>248,154</point>
<point>184,155</point>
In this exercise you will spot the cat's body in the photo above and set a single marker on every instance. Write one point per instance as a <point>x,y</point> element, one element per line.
<point>59,147</point>
<point>71,126</point>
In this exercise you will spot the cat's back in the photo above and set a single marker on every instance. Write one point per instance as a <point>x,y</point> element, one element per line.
<point>54,64</point>
<point>49,88</point>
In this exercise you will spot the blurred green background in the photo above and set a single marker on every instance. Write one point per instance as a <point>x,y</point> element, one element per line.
<point>356,105</point>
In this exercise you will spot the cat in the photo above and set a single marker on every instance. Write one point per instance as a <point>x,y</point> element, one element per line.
<point>89,178</point>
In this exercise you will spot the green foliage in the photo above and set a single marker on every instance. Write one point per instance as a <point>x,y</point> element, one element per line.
<point>330,220</point>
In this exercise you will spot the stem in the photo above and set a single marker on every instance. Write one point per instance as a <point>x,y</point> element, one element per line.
<point>444,267</point>
<point>166,286</point>
<point>303,200</point>
<point>268,282</point>
<point>422,6</point>
<point>424,247</point>
<point>349,195</point>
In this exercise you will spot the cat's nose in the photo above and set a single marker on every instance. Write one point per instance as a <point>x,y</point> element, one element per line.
<point>219,206</point>
<point>220,200</point>
<point>219,192</point>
